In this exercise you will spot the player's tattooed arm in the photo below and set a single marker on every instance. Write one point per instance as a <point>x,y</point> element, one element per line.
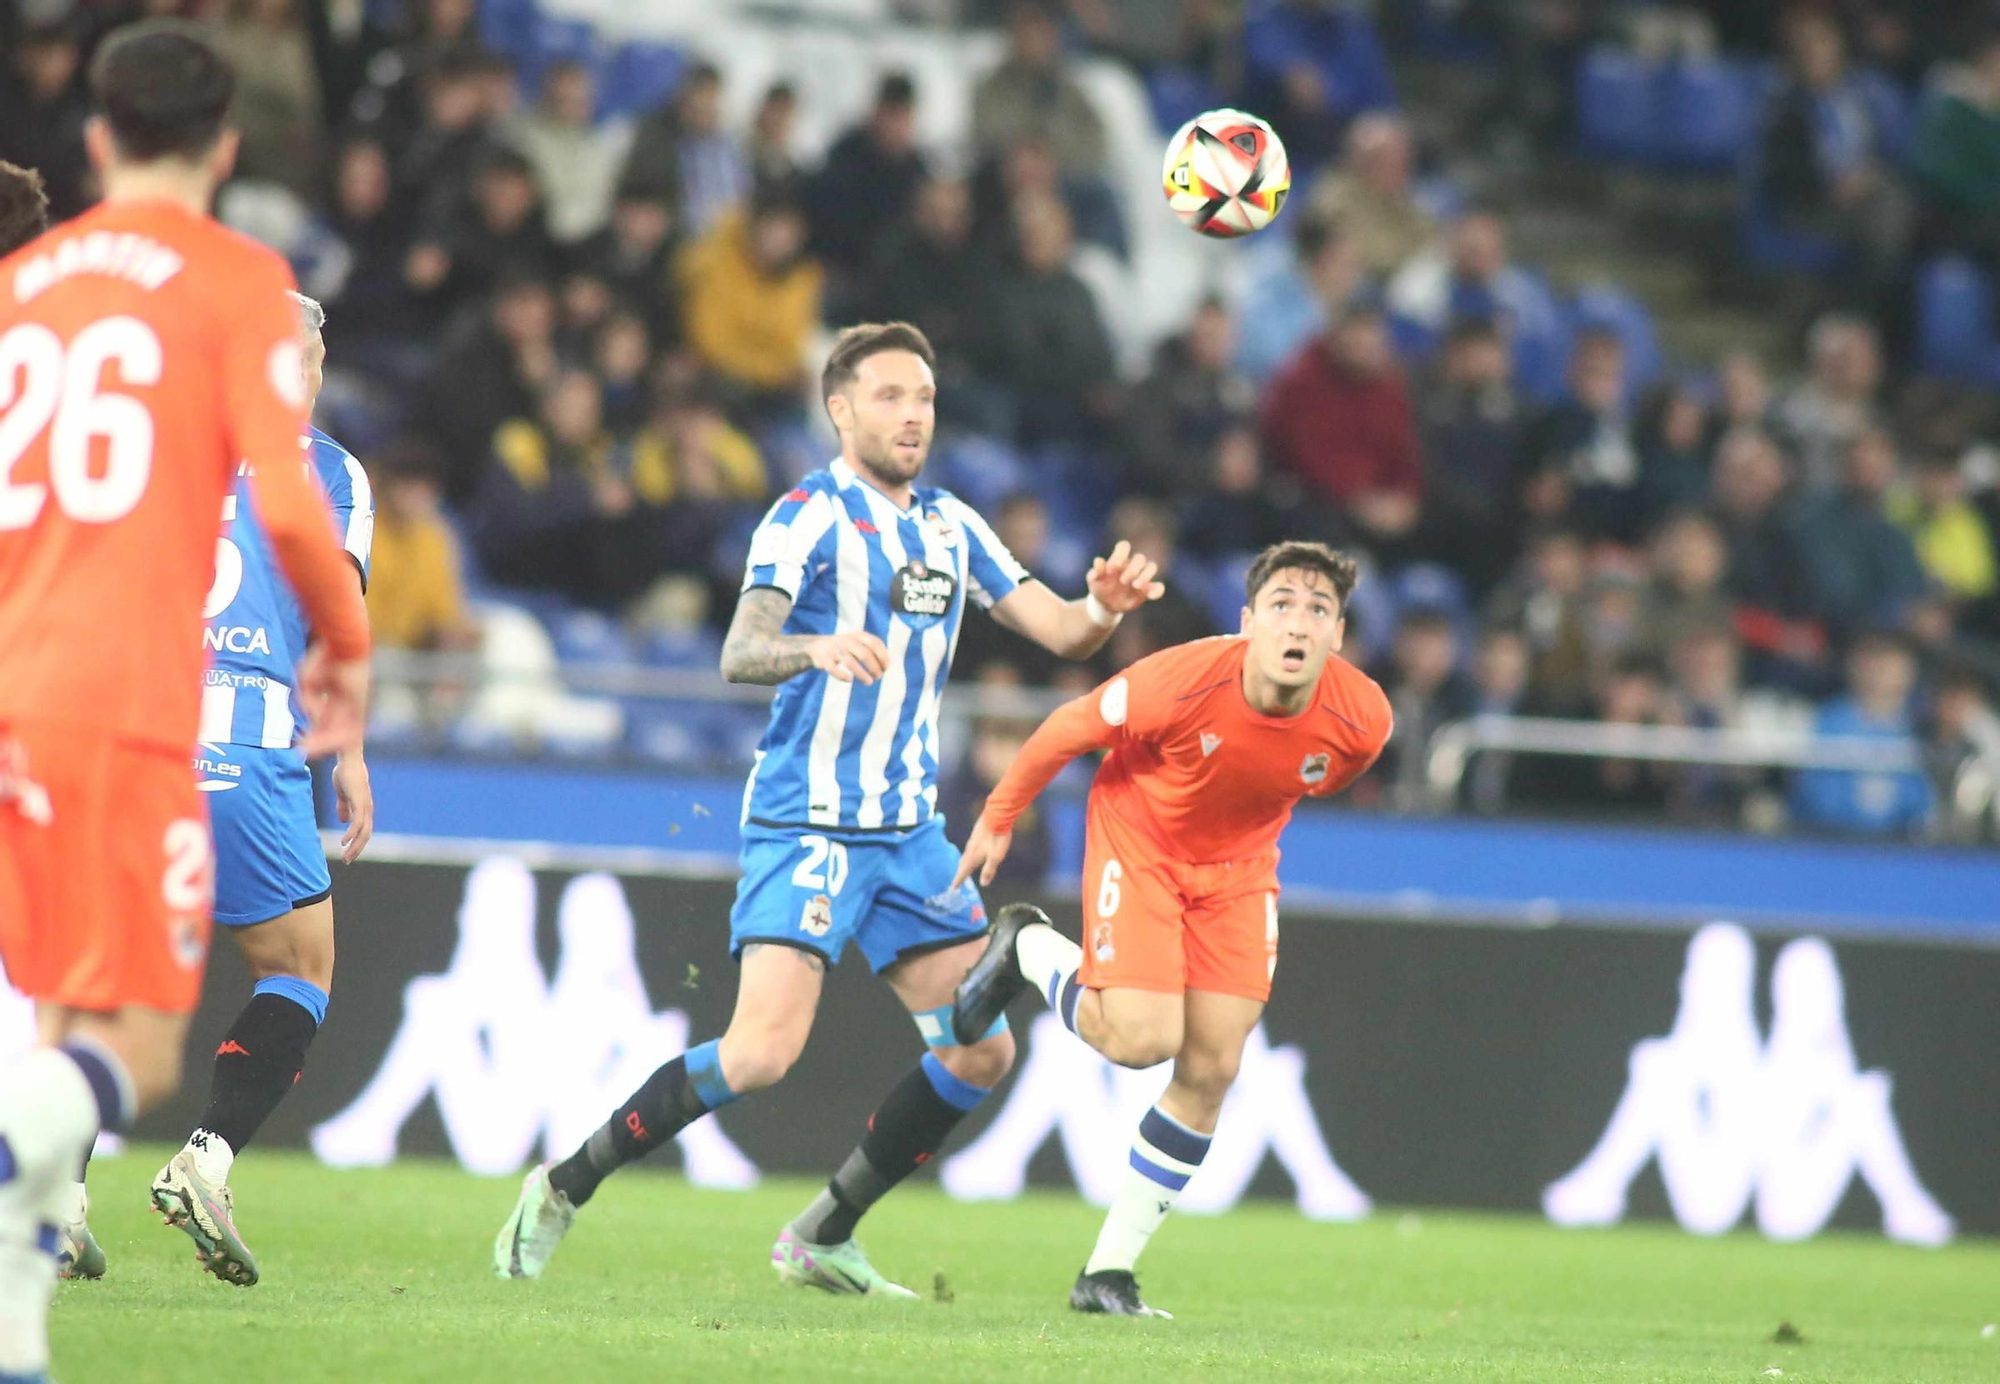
<point>814,961</point>
<point>756,650</point>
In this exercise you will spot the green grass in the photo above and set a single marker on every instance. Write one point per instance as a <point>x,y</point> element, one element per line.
<point>384,1276</point>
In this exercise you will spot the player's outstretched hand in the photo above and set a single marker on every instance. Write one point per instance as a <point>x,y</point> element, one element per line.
<point>984,850</point>
<point>354,800</point>
<point>335,696</point>
<point>1126,580</point>
<point>854,656</point>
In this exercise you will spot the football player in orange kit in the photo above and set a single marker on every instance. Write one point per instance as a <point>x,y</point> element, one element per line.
<point>1211,744</point>
<point>145,352</point>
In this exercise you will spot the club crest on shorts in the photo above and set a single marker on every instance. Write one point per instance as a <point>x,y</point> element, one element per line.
<point>817,919</point>
<point>1314,769</point>
<point>1100,944</point>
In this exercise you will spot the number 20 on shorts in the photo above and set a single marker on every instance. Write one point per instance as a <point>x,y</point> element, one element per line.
<point>825,865</point>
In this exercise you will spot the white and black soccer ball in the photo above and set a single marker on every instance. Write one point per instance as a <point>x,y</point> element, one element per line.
<point>1226,173</point>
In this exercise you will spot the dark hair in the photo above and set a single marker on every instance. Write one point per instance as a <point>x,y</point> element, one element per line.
<point>163,90</point>
<point>1473,328</point>
<point>896,89</point>
<point>1337,567</point>
<point>699,72</point>
<point>855,344</point>
<point>24,207</point>
<point>1313,234</point>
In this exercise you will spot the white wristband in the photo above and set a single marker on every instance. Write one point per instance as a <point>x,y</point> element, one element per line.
<point>1100,614</point>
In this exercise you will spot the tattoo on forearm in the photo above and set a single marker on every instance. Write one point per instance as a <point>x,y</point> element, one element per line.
<point>814,961</point>
<point>754,651</point>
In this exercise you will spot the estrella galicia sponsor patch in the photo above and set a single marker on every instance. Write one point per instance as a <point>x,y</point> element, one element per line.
<point>921,593</point>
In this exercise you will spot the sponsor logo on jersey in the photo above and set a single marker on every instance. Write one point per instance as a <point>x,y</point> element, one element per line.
<point>236,639</point>
<point>1314,769</point>
<point>921,594</point>
<point>817,919</point>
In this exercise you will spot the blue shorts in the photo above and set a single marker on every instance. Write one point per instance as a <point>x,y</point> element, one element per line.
<point>268,856</point>
<point>819,890</point>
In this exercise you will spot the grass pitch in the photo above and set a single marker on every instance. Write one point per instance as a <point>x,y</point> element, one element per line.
<point>384,1276</point>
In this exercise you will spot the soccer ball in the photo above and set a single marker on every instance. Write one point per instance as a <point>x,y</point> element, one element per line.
<point>1226,173</point>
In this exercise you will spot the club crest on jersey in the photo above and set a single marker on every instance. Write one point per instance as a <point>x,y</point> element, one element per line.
<point>921,594</point>
<point>941,528</point>
<point>1314,769</point>
<point>817,919</point>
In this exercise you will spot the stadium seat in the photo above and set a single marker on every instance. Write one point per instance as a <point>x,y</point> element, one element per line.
<point>1618,105</point>
<point>1709,111</point>
<point>508,26</point>
<point>691,649</point>
<point>1177,95</point>
<point>1956,339</point>
<point>638,78</point>
<point>589,636</point>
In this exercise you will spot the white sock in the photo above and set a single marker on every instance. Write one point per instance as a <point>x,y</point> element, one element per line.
<point>75,1202</point>
<point>213,1158</point>
<point>1048,961</point>
<point>48,1116</point>
<point>1164,1156</point>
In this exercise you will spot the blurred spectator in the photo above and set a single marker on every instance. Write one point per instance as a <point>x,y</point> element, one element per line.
<point>1860,568</point>
<point>1372,195</point>
<point>995,743</point>
<point>1143,33</point>
<point>391,96</point>
<point>750,298</point>
<point>928,273</point>
<point>436,157</point>
<point>277,105</point>
<point>556,513</point>
<point>1706,669</point>
<point>1583,454</point>
<point>42,109</point>
<point>1956,156</point>
<point>1150,527</point>
<point>415,600</point>
<point>1473,429</point>
<point>1743,395</point>
<point>1179,410</point>
<point>688,453</point>
<point>1951,536</point>
<point>1031,97</point>
<point>462,250</point>
<point>619,355</point>
<point>1674,441</point>
<point>1629,694</point>
<point>576,160</point>
<point>1028,171</point>
<point>1022,523</point>
<point>1826,160</point>
<point>1472,276</point>
<point>1426,693</point>
<point>772,132</point>
<point>1311,66</point>
<point>1289,304</point>
<point>1767,575</point>
<point>1236,510</point>
<point>869,181</point>
<point>492,368</point>
<point>1339,419</point>
<point>1690,563</point>
<point>1544,600</point>
<point>1837,401</point>
<point>1499,688</point>
<point>1961,749</point>
<point>1042,337</point>
<point>633,257</point>
<point>346,41</point>
<point>370,296</point>
<point>1881,675</point>
<point>681,152</point>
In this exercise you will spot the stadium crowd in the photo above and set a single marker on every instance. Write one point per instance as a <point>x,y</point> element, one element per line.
<point>573,338</point>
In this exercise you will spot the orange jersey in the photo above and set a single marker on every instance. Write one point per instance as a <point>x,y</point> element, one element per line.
<point>144,351</point>
<point>1205,777</point>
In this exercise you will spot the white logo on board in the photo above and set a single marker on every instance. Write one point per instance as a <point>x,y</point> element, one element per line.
<point>1066,1089</point>
<point>513,1060</point>
<point>1734,1120</point>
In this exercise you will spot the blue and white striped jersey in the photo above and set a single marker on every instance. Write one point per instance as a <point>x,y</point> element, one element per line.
<point>256,631</point>
<point>841,755</point>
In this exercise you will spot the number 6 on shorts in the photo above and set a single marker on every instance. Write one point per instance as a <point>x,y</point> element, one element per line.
<point>1107,889</point>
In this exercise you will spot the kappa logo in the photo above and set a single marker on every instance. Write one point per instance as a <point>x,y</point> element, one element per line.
<point>514,1061</point>
<point>1065,1089</point>
<point>1210,743</point>
<point>817,919</point>
<point>1315,767</point>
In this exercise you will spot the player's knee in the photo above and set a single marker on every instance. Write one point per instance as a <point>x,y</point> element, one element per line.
<point>1141,1045</point>
<point>1209,1075</point>
<point>754,1059</point>
<point>984,1063</point>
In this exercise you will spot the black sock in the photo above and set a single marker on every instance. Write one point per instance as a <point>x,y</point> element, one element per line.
<point>259,1059</point>
<point>903,1134</point>
<point>661,1108</point>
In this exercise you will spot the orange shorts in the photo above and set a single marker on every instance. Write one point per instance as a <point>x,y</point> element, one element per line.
<point>1153,923</point>
<point>106,871</point>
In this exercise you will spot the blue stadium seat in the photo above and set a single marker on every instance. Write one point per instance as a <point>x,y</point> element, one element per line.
<point>692,650</point>
<point>508,26</point>
<point>1177,95</point>
<point>1956,339</point>
<point>1709,111</point>
<point>589,636</point>
<point>638,78</point>
<point>1777,249</point>
<point>1222,596</point>
<point>1618,105</point>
